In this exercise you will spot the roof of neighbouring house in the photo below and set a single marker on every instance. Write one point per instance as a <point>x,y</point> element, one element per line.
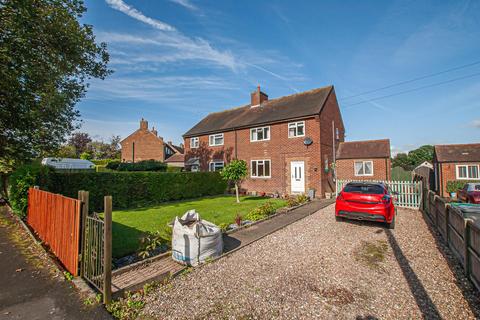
<point>176,148</point>
<point>294,106</point>
<point>364,149</point>
<point>458,152</point>
<point>177,157</point>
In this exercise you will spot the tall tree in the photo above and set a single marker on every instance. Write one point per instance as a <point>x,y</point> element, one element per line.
<point>46,60</point>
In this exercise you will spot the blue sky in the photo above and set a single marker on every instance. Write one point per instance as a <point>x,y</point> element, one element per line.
<point>177,60</point>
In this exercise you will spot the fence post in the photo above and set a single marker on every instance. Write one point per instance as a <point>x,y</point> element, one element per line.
<point>466,241</point>
<point>83,196</point>
<point>107,271</point>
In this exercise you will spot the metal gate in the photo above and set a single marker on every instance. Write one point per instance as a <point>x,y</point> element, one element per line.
<point>409,193</point>
<point>96,262</point>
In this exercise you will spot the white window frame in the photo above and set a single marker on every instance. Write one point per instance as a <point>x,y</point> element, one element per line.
<point>363,165</point>
<point>457,167</point>
<point>212,137</point>
<point>295,125</point>
<point>256,168</point>
<point>214,165</point>
<point>194,142</point>
<point>255,130</point>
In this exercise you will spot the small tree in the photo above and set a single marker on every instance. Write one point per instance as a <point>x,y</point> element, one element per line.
<point>235,171</point>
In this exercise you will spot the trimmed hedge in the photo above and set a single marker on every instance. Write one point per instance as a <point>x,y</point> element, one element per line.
<point>454,185</point>
<point>147,165</point>
<point>128,189</point>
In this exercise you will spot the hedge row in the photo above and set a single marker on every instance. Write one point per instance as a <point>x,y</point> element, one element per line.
<point>454,185</point>
<point>128,189</point>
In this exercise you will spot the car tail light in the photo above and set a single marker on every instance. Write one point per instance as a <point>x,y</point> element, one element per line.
<point>340,197</point>
<point>386,199</point>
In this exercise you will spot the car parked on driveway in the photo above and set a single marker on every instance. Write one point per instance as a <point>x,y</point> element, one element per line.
<point>370,201</point>
<point>470,193</point>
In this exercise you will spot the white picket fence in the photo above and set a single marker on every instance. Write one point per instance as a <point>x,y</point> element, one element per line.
<point>409,192</point>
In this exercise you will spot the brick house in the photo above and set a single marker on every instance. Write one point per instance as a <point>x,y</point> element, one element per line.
<point>145,144</point>
<point>364,160</point>
<point>455,162</point>
<point>287,142</point>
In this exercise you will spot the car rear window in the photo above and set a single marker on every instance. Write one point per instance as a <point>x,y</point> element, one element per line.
<point>364,188</point>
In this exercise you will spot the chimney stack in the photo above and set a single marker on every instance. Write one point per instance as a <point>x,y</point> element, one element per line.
<point>143,124</point>
<point>258,97</point>
<point>154,131</point>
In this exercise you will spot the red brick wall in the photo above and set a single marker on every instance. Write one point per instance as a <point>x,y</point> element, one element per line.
<point>381,169</point>
<point>449,173</point>
<point>147,147</point>
<point>330,113</point>
<point>281,151</point>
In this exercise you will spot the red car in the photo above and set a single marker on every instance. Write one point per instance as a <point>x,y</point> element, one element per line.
<point>366,201</point>
<point>470,193</point>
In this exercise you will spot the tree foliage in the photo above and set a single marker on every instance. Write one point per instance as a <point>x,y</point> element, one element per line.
<point>413,158</point>
<point>46,60</point>
<point>235,172</point>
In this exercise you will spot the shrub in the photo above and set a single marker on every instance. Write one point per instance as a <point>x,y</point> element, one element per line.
<point>454,185</point>
<point>174,169</point>
<point>104,162</point>
<point>147,165</point>
<point>137,189</point>
<point>294,201</point>
<point>21,180</point>
<point>261,212</point>
<point>113,165</point>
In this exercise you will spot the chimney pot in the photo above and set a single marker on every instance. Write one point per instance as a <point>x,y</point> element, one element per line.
<point>143,124</point>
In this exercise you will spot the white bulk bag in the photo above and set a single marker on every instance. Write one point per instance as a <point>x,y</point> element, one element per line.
<point>195,240</point>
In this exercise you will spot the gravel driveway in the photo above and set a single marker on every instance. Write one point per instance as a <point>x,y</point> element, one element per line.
<point>319,268</point>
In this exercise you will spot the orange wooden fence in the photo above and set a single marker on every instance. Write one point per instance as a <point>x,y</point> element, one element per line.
<point>56,220</point>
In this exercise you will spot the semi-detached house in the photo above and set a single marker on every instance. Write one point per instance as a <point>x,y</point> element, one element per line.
<point>288,142</point>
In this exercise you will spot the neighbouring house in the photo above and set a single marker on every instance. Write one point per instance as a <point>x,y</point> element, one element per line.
<point>364,160</point>
<point>455,162</point>
<point>288,142</point>
<point>146,144</point>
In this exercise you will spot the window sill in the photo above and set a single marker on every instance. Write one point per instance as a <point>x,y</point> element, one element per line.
<point>261,178</point>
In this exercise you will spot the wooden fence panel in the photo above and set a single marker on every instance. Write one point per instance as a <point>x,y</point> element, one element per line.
<point>456,234</point>
<point>441,217</point>
<point>473,261</point>
<point>56,220</point>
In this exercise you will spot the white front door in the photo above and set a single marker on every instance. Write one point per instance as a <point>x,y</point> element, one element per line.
<point>297,170</point>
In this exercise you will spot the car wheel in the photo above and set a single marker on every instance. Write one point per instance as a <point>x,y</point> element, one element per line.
<point>338,219</point>
<point>391,225</point>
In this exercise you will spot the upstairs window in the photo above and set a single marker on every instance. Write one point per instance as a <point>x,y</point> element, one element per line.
<point>296,129</point>
<point>465,172</point>
<point>215,140</point>
<point>260,169</point>
<point>363,168</point>
<point>216,166</point>
<point>260,134</point>
<point>194,142</point>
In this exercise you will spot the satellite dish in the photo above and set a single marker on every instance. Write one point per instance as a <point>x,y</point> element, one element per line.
<point>307,141</point>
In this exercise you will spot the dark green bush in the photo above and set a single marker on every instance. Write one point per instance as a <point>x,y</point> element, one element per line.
<point>136,189</point>
<point>21,180</point>
<point>113,165</point>
<point>128,189</point>
<point>454,185</point>
<point>147,165</point>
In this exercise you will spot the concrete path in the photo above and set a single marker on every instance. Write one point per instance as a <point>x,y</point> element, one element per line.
<point>30,286</point>
<point>241,238</point>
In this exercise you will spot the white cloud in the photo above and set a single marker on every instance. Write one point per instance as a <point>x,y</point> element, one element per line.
<point>185,3</point>
<point>134,13</point>
<point>476,123</point>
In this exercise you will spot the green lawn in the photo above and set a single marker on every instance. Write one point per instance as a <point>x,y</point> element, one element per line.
<point>129,225</point>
